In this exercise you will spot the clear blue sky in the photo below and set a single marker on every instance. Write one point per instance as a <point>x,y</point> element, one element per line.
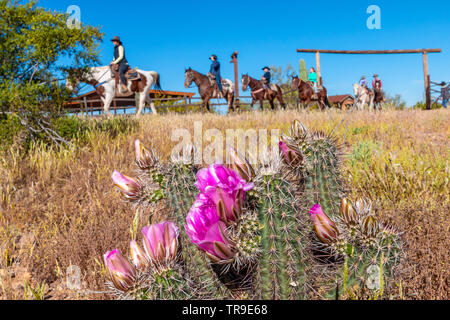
<point>167,36</point>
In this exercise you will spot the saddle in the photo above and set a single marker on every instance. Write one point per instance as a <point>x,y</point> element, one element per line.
<point>130,74</point>
<point>213,82</point>
<point>315,96</point>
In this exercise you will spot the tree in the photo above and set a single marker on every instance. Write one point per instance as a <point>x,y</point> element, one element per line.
<point>303,71</point>
<point>37,50</point>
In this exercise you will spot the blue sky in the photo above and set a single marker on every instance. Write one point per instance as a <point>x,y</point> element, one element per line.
<point>167,36</point>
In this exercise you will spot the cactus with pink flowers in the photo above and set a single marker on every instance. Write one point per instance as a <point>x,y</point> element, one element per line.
<point>280,230</point>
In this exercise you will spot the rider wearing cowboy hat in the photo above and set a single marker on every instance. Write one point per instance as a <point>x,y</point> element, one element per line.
<point>375,81</point>
<point>120,60</point>
<point>266,77</point>
<point>363,83</point>
<point>215,70</point>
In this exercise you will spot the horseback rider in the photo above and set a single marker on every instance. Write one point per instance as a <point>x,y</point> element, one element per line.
<point>376,81</point>
<point>266,78</point>
<point>120,62</point>
<point>363,83</point>
<point>215,71</point>
<point>312,77</point>
<point>265,81</point>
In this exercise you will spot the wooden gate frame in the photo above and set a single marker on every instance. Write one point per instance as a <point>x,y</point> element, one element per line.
<point>424,60</point>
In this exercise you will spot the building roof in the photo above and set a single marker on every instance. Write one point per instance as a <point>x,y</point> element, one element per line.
<point>340,98</point>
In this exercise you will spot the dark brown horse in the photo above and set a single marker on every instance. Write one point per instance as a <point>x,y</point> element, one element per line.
<point>306,93</point>
<point>379,97</point>
<point>208,90</point>
<point>260,94</point>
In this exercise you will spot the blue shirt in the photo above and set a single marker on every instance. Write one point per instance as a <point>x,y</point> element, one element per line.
<point>215,69</point>
<point>267,75</point>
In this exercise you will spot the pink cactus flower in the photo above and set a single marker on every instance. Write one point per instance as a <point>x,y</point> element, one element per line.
<point>225,188</point>
<point>325,228</point>
<point>129,187</point>
<point>121,272</point>
<point>205,230</point>
<point>161,242</point>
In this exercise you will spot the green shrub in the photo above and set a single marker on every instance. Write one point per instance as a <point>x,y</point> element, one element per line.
<point>10,127</point>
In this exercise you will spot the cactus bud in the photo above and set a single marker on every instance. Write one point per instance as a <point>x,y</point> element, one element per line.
<point>291,155</point>
<point>145,158</point>
<point>138,257</point>
<point>121,272</point>
<point>298,129</point>
<point>370,227</point>
<point>325,228</point>
<point>241,166</point>
<point>129,187</point>
<point>348,212</point>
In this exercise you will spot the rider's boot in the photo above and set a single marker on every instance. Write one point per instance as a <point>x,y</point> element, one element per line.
<point>124,88</point>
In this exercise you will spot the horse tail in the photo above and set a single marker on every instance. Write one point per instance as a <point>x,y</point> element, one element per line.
<point>157,78</point>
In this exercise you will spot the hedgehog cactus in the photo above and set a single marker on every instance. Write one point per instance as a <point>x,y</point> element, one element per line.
<point>281,230</point>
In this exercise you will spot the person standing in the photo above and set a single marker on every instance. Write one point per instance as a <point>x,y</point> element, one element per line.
<point>120,60</point>
<point>215,70</point>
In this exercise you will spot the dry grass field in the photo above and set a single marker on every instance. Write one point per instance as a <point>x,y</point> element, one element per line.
<point>59,208</point>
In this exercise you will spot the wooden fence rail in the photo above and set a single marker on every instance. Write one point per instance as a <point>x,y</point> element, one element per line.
<point>88,106</point>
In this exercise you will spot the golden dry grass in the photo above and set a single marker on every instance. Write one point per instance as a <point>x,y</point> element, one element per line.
<point>59,208</point>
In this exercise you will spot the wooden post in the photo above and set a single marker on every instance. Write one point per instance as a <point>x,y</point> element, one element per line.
<point>319,76</point>
<point>427,79</point>
<point>236,76</point>
<point>85,107</point>
<point>115,106</point>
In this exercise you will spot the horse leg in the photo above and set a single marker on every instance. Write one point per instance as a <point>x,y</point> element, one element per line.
<point>272,105</point>
<point>152,105</point>
<point>281,100</point>
<point>261,104</point>
<point>142,99</point>
<point>230,99</point>
<point>107,104</point>
<point>206,105</point>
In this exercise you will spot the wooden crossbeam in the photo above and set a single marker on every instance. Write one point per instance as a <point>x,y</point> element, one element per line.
<point>371,51</point>
<point>424,53</point>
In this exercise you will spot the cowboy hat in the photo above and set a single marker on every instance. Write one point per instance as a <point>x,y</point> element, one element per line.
<point>266,68</point>
<point>116,38</point>
<point>375,75</point>
<point>363,77</point>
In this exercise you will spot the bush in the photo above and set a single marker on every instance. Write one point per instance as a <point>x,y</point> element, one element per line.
<point>423,106</point>
<point>10,127</point>
<point>70,128</point>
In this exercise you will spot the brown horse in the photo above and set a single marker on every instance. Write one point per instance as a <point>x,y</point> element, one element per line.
<point>379,97</point>
<point>208,90</point>
<point>260,94</point>
<point>306,92</point>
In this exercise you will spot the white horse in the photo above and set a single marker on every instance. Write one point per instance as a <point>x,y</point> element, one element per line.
<point>101,79</point>
<point>362,97</point>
